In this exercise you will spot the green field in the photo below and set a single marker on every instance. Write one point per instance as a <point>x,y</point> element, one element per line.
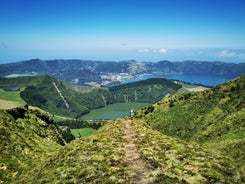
<point>186,85</point>
<point>11,96</point>
<point>114,111</point>
<point>84,132</point>
<point>10,99</point>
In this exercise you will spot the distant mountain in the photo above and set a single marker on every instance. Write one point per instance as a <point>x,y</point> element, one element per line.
<point>64,99</point>
<point>86,72</point>
<point>27,138</point>
<point>213,118</point>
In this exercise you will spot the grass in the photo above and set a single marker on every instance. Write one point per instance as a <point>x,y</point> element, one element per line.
<point>213,118</point>
<point>30,148</point>
<point>84,132</point>
<point>11,96</point>
<point>58,118</point>
<point>175,161</point>
<point>26,141</point>
<point>5,104</point>
<point>80,89</point>
<point>96,159</point>
<point>187,85</point>
<point>114,111</point>
<point>10,99</point>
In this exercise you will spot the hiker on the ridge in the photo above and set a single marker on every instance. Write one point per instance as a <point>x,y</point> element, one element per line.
<point>131,113</point>
<point>79,135</point>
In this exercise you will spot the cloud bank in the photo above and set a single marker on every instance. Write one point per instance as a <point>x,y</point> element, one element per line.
<point>147,50</point>
<point>240,54</point>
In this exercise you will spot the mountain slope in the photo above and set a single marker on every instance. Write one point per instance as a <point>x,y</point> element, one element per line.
<point>64,99</point>
<point>84,72</point>
<point>214,118</point>
<point>102,158</point>
<point>27,138</point>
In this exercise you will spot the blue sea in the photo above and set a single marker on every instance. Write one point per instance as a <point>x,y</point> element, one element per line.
<point>207,80</point>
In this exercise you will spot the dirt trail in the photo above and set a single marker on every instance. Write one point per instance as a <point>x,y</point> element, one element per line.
<point>61,95</point>
<point>136,166</point>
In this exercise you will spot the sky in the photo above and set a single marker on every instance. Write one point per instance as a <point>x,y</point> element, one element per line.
<point>116,30</point>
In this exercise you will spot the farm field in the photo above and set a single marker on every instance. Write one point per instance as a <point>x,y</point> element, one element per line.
<point>84,132</point>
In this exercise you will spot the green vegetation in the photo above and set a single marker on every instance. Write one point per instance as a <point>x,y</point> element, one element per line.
<point>76,124</point>
<point>96,159</point>
<point>63,99</point>
<point>175,161</point>
<point>213,118</point>
<point>58,119</point>
<point>187,85</point>
<point>83,132</point>
<point>191,137</point>
<point>114,111</point>
<point>85,128</point>
<point>27,137</point>
<point>100,158</point>
<point>11,96</point>
<point>10,99</point>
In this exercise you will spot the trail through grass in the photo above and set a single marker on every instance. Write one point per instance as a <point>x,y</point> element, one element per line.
<point>136,166</point>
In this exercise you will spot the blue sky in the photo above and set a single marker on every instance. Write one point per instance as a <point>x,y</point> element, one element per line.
<point>145,30</point>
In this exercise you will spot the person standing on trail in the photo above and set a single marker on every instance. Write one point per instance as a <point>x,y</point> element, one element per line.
<point>79,136</point>
<point>131,113</point>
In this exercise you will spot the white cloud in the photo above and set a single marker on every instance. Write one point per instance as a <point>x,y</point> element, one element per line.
<point>163,50</point>
<point>239,54</point>
<point>144,50</point>
<point>226,53</point>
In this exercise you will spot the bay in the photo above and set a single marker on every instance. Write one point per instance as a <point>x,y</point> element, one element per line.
<point>207,80</point>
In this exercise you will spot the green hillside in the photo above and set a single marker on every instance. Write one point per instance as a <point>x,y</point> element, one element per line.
<point>69,100</point>
<point>27,138</point>
<point>125,151</point>
<point>213,118</point>
<point>190,138</point>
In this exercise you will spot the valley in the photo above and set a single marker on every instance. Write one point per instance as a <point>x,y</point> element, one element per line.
<point>180,133</point>
<point>113,111</point>
<point>122,92</point>
<point>67,100</point>
<point>108,156</point>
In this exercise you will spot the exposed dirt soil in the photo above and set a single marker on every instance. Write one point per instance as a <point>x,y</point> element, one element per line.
<point>136,166</point>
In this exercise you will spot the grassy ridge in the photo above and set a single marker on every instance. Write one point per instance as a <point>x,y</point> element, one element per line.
<point>32,151</point>
<point>100,159</point>
<point>214,118</point>
<point>175,161</point>
<point>27,138</point>
<point>97,159</point>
